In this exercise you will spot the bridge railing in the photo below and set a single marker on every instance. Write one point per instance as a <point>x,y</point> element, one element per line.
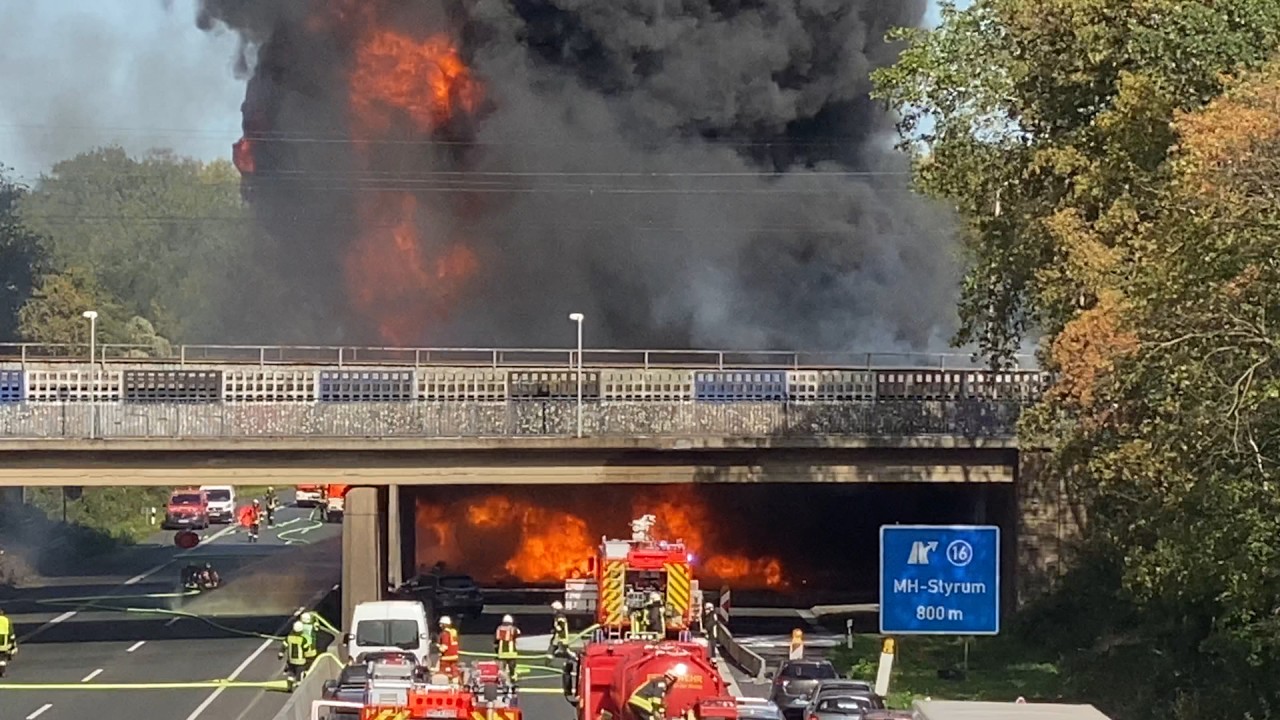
<point>489,357</point>
<point>532,418</point>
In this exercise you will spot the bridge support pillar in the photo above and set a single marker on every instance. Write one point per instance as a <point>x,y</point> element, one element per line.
<point>395,561</point>
<point>363,538</point>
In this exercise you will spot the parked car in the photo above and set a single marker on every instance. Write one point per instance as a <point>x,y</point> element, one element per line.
<point>794,682</point>
<point>222,503</point>
<point>445,594</point>
<point>188,509</point>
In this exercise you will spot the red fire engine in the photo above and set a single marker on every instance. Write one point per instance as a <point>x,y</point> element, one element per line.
<point>634,582</point>
<point>394,689</point>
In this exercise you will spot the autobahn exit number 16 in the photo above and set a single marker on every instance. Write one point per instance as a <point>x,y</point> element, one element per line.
<point>939,580</point>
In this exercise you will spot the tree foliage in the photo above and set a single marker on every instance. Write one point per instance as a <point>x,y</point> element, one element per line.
<point>1116,165</point>
<point>21,260</point>
<point>1047,123</point>
<point>161,235</point>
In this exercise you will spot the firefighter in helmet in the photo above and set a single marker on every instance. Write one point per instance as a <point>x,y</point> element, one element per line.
<point>649,701</point>
<point>504,641</point>
<point>710,627</point>
<point>447,643</point>
<point>655,617</point>
<point>559,631</point>
<point>295,653</point>
<point>309,631</point>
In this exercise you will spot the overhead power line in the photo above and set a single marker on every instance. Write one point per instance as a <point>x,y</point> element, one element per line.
<point>624,225</point>
<point>343,139</point>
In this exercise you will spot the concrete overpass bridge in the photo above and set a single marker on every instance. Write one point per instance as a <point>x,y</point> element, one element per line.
<point>390,420</point>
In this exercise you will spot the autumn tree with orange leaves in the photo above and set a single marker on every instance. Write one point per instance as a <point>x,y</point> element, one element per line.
<point>1115,164</point>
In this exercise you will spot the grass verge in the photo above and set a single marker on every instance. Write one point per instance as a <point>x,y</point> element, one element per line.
<point>1000,669</point>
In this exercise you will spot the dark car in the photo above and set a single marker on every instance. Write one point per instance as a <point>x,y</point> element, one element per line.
<point>349,687</point>
<point>834,697</point>
<point>842,707</point>
<point>445,594</point>
<point>794,682</point>
<point>827,688</point>
<point>351,683</point>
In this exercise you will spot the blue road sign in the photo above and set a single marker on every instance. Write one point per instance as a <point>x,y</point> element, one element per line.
<point>939,580</point>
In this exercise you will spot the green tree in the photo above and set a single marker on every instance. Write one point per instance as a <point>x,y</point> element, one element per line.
<point>1047,124</point>
<point>54,313</point>
<point>1177,447</point>
<point>160,233</point>
<point>20,259</point>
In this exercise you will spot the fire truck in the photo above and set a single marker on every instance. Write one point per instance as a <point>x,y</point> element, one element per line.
<point>395,688</point>
<point>627,579</point>
<point>625,574</point>
<point>334,502</point>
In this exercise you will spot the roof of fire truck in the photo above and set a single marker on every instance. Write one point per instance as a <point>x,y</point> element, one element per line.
<point>642,552</point>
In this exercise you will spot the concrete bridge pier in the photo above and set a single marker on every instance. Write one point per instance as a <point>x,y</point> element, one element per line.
<point>372,555</point>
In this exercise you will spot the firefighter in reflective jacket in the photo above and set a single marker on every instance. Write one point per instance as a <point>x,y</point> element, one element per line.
<point>559,631</point>
<point>504,640</point>
<point>8,643</point>
<point>309,631</point>
<point>295,653</point>
<point>447,643</point>
<point>649,701</point>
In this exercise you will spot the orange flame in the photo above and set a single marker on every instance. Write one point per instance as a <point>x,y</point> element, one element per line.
<point>396,75</point>
<point>388,269</point>
<point>242,156</point>
<point>544,545</point>
<point>397,279</point>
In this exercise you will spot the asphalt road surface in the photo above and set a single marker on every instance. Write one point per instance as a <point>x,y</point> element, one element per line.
<point>84,643</point>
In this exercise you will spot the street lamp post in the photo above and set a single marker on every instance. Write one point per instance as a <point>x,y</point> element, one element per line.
<point>92,315</point>
<point>578,318</point>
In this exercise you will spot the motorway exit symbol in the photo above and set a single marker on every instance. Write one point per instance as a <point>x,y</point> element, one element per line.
<point>939,580</point>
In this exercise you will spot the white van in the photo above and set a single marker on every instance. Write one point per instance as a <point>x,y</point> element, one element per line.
<point>222,503</point>
<point>389,625</point>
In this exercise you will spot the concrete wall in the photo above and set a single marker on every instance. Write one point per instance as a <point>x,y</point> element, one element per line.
<point>1046,527</point>
<point>364,544</point>
<point>117,464</point>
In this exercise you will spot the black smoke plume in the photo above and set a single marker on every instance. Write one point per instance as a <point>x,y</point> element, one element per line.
<point>685,172</point>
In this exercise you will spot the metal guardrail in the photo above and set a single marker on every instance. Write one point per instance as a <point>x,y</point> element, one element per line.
<point>748,661</point>
<point>534,418</point>
<point>492,357</point>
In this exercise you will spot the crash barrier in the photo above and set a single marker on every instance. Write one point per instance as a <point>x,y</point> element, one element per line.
<point>746,660</point>
<point>326,667</point>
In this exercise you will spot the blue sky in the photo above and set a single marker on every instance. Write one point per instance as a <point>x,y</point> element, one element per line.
<point>80,74</point>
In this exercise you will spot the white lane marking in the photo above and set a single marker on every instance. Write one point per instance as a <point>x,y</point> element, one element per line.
<point>61,618</point>
<point>131,581</point>
<point>234,674</point>
<point>137,645</point>
<point>171,622</point>
<point>92,675</point>
<point>39,712</point>
<point>139,578</point>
